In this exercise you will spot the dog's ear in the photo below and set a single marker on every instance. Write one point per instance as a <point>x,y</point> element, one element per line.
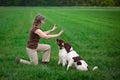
<point>67,47</point>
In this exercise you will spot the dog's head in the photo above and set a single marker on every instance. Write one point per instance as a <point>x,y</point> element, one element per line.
<point>60,43</point>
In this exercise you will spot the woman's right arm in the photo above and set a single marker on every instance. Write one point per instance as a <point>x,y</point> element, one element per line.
<point>43,35</point>
<point>53,29</point>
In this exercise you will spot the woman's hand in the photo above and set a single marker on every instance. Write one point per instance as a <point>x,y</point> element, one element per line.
<point>61,32</point>
<point>54,27</point>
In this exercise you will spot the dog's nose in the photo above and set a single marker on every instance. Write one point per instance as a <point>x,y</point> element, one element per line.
<point>57,39</point>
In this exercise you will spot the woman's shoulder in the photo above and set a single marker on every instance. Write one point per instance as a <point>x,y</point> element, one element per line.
<point>34,28</point>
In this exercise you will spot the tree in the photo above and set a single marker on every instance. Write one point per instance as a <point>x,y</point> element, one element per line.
<point>108,3</point>
<point>59,2</point>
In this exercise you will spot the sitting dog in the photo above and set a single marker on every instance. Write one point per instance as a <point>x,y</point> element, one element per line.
<point>74,59</point>
<point>62,52</point>
<point>67,54</point>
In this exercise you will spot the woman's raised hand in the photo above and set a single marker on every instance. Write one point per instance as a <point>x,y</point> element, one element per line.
<point>61,32</point>
<point>54,27</point>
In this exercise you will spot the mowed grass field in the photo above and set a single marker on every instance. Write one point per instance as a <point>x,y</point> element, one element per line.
<point>93,32</point>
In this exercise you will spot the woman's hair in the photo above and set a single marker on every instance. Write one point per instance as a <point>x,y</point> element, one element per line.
<point>38,20</point>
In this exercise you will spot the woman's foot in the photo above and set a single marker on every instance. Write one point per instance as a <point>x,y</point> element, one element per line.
<point>44,62</point>
<point>17,60</point>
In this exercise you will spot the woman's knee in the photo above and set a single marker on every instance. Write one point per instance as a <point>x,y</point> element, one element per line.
<point>48,47</point>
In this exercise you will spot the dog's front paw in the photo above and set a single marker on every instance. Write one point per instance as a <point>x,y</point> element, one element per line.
<point>63,65</point>
<point>58,63</point>
<point>67,68</point>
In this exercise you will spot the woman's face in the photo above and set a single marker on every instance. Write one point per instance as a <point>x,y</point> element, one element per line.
<point>42,22</point>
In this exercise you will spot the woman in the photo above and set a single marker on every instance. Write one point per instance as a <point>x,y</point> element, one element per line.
<point>33,46</point>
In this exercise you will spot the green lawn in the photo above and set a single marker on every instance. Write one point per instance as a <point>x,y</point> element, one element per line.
<point>93,32</point>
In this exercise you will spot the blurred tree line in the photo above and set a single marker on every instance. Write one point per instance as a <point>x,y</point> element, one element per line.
<point>59,2</point>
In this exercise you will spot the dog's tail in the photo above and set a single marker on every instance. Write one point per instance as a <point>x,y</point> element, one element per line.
<point>94,68</point>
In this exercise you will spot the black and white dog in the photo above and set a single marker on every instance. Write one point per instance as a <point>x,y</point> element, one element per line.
<point>67,54</point>
<point>62,52</point>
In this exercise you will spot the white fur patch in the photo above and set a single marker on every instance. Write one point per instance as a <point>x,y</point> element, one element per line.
<point>62,57</point>
<point>82,67</point>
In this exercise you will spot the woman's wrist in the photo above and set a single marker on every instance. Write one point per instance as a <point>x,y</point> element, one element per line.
<point>54,28</point>
<point>61,32</point>
<point>51,30</point>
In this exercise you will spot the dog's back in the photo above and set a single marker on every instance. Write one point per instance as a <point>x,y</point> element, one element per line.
<point>71,54</point>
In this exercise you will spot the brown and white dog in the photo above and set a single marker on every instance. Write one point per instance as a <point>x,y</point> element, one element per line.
<point>67,54</point>
<point>62,53</point>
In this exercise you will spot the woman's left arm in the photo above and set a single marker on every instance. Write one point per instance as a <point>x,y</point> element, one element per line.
<point>51,30</point>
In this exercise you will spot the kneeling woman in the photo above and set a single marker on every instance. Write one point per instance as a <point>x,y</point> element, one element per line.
<point>33,46</point>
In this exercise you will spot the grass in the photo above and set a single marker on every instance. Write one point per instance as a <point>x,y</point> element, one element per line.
<point>93,33</point>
